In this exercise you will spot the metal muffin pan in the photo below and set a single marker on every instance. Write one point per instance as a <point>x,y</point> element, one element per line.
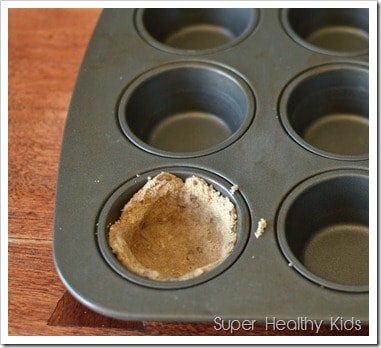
<point>322,229</point>
<point>246,97</point>
<point>197,31</point>
<point>186,109</point>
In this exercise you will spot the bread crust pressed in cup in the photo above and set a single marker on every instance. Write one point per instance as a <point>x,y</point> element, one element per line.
<point>173,229</point>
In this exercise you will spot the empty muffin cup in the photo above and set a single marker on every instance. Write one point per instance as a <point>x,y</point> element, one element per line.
<point>195,30</point>
<point>326,110</point>
<point>173,228</point>
<point>186,109</point>
<point>335,31</point>
<point>323,231</point>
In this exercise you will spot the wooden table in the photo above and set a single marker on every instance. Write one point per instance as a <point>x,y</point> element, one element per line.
<point>46,47</point>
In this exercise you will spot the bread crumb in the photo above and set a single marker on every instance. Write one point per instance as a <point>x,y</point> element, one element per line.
<point>262,224</point>
<point>174,229</point>
<point>234,188</point>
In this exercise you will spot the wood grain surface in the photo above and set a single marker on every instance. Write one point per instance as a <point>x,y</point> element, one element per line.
<point>46,47</point>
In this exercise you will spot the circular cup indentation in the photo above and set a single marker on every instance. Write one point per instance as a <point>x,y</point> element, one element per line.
<point>112,209</point>
<point>186,109</point>
<point>335,31</point>
<point>322,228</point>
<point>326,110</point>
<point>195,30</point>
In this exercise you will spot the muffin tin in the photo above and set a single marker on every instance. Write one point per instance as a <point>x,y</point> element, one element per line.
<point>274,101</point>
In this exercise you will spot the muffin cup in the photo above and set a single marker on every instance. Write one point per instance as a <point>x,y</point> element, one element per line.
<point>326,110</point>
<point>186,109</point>
<point>112,209</point>
<point>322,228</point>
<point>334,31</point>
<point>195,31</point>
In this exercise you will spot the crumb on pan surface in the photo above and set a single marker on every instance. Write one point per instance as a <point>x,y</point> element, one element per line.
<point>234,188</point>
<point>173,229</point>
<point>262,224</point>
